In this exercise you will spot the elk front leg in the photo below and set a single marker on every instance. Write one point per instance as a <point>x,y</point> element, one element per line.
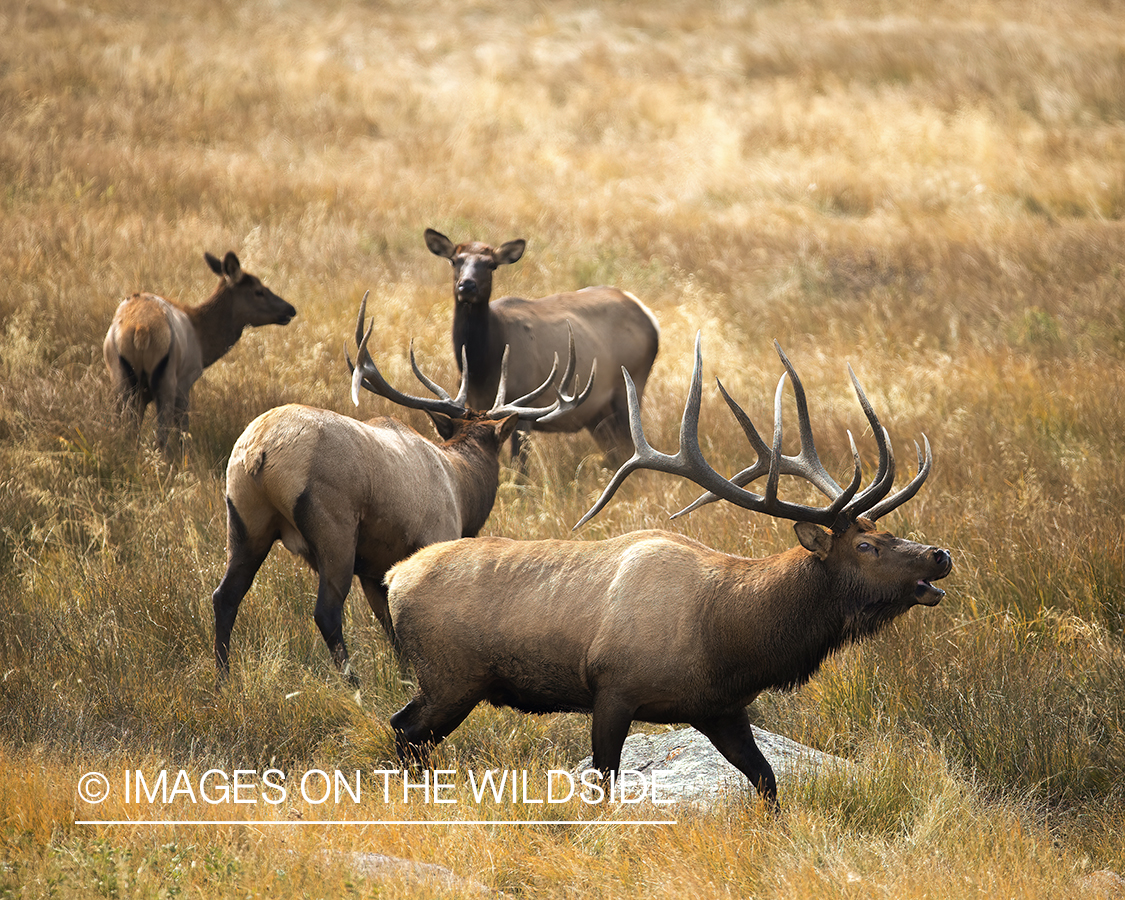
<point>609,726</point>
<point>734,738</point>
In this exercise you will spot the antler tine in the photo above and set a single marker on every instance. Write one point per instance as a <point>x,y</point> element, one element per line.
<point>690,463</point>
<point>366,373</point>
<point>462,398</point>
<point>571,363</point>
<point>564,403</point>
<point>747,475</point>
<point>360,341</point>
<point>502,386</point>
<point>568,402</point>
<point>885,474</point>
<point>775,455</point>
<point>437,389</point>
<point>503,408</point>
<point>925,463</point>
<point>360,319</point>
<point>644,457</point>
<point>806,464</point>
<point>688,458</point>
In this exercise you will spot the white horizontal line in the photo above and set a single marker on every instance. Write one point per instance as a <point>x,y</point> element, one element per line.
<point>374,822</point>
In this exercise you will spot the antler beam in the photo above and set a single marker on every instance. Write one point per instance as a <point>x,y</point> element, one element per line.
<point>846,504</point>
<point>367,375</point>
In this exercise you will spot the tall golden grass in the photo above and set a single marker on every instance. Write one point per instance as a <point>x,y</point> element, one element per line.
<point>933,192</point>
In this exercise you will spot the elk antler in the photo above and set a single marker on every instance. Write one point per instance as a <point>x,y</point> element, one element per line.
<point>565,402</point>
<point>366,374</point>
<point>846,504</point>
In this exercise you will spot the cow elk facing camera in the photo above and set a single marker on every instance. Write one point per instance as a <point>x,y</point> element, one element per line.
<point>609,325</point>
<point>655,627</point>
<point>353,498</point>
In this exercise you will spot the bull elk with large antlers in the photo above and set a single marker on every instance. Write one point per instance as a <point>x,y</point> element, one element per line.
<point>353,498</point>
<point>652,626</point>
<point>156,349</point>
<point>609,325</point>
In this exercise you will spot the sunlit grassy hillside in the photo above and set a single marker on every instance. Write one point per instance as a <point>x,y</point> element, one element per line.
<point>933,193</point>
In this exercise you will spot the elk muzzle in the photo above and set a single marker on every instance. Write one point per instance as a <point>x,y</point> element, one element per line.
<point>924,591</point>
<point>283,311</point>
<point>466,290</point>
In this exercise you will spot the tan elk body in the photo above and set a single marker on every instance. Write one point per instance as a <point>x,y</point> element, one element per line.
<point>156,349</point>
<point>653,626</point>
<point>353,498</point>
<point>609,325</point>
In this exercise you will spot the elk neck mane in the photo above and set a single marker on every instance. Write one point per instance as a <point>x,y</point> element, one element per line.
<point>213,323</point>
<point>756,602</point>
<point>475,329</point>
<point>478,473</point>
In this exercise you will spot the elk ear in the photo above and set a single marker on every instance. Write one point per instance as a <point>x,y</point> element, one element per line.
<point>213,262</point>
<point>232,271</point>
<point>444,424</point>
<point>511,251</point>
<point>814,538</point>
<point>505,427</point>
<point>439,244</point>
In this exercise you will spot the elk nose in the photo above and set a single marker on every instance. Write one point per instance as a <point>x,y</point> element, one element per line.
<point>467,288</point>
<point>942,558</point>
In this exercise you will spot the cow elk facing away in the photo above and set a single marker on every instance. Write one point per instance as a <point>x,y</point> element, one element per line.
<point>652,626</point>
<point>156,349</point>
<point>610,325</point>
<point>353,498</point>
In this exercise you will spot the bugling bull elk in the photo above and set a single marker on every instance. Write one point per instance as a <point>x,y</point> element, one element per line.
<point>156,349</point>
<point>609,324</point>
<point>352,498</point>
<point>655,627</point>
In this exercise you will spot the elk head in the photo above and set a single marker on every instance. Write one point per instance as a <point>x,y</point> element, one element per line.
<point>450,413</point>
<point>842,533</point>
<point>473,264</point>
<point>253,302</point>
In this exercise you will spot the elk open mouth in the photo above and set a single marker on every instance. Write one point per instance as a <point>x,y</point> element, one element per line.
<point>926,594</point>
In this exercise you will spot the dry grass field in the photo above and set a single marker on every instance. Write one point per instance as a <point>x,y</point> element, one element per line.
<point>933,192</point>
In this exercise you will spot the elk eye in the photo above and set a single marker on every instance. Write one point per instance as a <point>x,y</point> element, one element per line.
<point>864,547</point>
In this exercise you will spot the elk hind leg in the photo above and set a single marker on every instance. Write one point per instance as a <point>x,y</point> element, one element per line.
<point>244,558</point>
<point>161,385</point>
<point>376,594</point>
<point>128,391</point>
<point>331,593</point>
<point>130,395</point>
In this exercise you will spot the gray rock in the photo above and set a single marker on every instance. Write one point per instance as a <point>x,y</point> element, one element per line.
<point>691,769</point>
<point>1101,885</point>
